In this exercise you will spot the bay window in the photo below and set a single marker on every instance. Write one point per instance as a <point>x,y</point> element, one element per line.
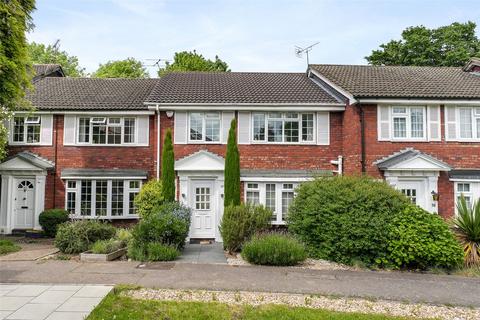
<point>106,130</point>
<point>273,195</point>
<point>204,127</point>
<point>409,123</point>
<point>283,127</point>
<point>104,198</point>
<point>26,129</point>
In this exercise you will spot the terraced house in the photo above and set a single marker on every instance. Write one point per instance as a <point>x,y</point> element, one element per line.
<point>92,142</point>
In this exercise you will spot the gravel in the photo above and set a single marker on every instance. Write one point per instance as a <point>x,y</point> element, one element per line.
<point>310,301</point>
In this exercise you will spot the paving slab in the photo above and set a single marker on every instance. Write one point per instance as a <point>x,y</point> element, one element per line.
<point>92,292</point>
<point>203,253</point>
<point>13,303</point>
<point>32,311</point>
<point>5,314</point>
<point>80,304</point>
<point>67,315</point>
<point>28,291</point>
<point>50,295</point>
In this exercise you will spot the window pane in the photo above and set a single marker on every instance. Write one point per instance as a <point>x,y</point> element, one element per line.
<point>71,200</point>
<point>253,197</point>
<point>86,198</point>
<point>134,184</point>
<point>400,110</point>
<point>212,129</point>
<point>202,198</point>
<point>84,130</point>
<point>117,198</point>
<point>275,129</point>
<point>99,133</point>
<point>270,198</point>
<point>18,129</point>
<point>411,194</point>
<point>196,126</point>
<point>291,131</point>
<point>400,127</point>
<point>131,203</point>
<point>307,127</point>
<point>71,184</point>
<point>466,123</point>
<point>252,185</point>
<point>129,130</point>
<point>416,119</point>
<point>463,187</point>
<point>114,121</point>
<point>287,198</point>
<point>114,135</point>
<point>33,133</point>
<point>101,198</point>
<point>478,128</point>
<point>259,127</point>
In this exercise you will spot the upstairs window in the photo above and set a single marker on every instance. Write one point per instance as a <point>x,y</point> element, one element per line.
<point>26,129</point>
<point>106,130</point>
<point>204,127</point>
<point>408,123</point>
<point>283,127</point>
<point>469,120</point>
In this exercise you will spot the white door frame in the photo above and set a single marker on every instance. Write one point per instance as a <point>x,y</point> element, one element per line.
<point>213,194</point>
<point>30,222</point>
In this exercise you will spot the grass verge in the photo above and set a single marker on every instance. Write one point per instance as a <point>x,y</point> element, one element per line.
<point>7,246</point>
<point>116,306</point>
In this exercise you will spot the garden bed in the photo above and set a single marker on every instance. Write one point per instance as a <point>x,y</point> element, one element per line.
<point>89,256</point>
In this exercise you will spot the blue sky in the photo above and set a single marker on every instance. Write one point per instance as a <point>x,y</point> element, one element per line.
<point>249,35</point>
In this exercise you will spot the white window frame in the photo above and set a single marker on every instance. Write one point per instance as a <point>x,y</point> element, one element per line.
<point>408,123</point>
<point>475,114</point>
<point>473,193</point>
<point>283,119</point>
<point>279,189</point>
<point>203,115</point>
<point>78,189</point>
<point>27,121</point>
<point>106,120</point>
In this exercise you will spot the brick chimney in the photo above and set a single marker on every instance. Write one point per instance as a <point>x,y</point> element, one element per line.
<point>473,65</point>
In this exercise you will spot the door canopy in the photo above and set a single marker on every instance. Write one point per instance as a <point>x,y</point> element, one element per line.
<point>26,161</point>
<point>411,160</point>
<point>201,161</point>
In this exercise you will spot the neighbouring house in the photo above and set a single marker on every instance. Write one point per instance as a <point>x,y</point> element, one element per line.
<point>93,142</point>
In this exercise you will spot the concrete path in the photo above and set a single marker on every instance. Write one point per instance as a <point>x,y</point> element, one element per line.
<point>203,253</point>
<point>31,251</point>
<point>398,286</point>
<point>49,302</point>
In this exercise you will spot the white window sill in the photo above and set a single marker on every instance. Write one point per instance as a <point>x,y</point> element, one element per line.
<point>127,217</point>
<point>309,143</point>
<point>106,145</point>
<point>203,142</point>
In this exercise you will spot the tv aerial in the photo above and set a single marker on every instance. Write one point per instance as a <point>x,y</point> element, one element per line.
<point>156,62</point>
<point>299,51</point>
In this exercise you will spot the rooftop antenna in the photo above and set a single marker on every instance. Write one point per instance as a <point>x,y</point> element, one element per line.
<point>299,51</point>
<point>156,62</point>
<point>56,45</point>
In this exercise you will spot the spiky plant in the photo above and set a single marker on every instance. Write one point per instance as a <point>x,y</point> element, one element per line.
<point>467,228</point>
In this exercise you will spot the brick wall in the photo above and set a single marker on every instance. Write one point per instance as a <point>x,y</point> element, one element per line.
<point>91,157</point>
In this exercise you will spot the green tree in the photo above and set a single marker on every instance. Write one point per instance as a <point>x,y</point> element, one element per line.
<point>168,170</point>
<point>15,69</point>
<point>192,61</point>
<point>128,68</point>
<point>42,54</point>
<point>451,45</point>
<point>232,168</point>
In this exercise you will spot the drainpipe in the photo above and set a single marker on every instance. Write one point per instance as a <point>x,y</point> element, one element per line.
<point>362,137</point>
<point>158,143</point>
<point>55,126</point>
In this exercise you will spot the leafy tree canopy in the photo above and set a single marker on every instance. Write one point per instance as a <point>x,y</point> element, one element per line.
<point>451,45</point>
<point>128,68</point>
<point>40,53</point>
<point>15,73</point>
<point>192,61</point>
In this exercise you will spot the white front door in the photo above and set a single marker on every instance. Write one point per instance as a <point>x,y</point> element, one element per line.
<point>24,203</point>
<point>415,190</point>
<point>202,202</point>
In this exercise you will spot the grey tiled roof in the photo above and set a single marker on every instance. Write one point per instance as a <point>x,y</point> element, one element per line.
<point>46,70</point>
<point>52,93</point>
<point>467,174</point>
<point>107,173</point>
<point>403,81</point>
<point>238,87</point>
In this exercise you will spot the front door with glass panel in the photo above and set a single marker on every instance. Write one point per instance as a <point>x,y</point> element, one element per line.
<point>202,202</point>
<point>24,203</point>
<point>415,191</point>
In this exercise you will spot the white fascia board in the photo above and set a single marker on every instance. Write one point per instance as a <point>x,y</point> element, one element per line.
<point>464,180</point>
<point>276,179</point>
<point>248,107</point>
<point>103,178</point>
<point>418,101</point>
<point>106,112</point>
<point>342,91</point>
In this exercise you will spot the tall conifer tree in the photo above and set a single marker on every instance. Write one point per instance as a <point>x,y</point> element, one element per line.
<point>168,169</point>
<point>232,168</point>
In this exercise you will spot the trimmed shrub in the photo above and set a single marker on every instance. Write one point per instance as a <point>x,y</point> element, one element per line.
<point>107,246</point>
<point>161,252</point>
<point>149,197</point>
<point>274,250</point>
<point>50,219</point>
<point>344,218</point>
<point>240,223</point>
<point>421,240</point>
<point>168,170</point>
<point>123,235</point>
<point>177,209</point>
<point>78,236</point>
<point>232,168</point>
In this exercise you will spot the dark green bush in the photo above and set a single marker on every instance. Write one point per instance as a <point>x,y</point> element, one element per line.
<point>161,252</point>
<point>149,197</point>
<point>176,208</point>
<point>107,246</point>
<point>345,219</point>
<point>50,219</point>
<point>421,240</point>
<point>274,250</point>
<point>240,223</point>
<point>78,236</point>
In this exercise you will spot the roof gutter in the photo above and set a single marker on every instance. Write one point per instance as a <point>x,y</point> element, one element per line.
<point>247,107</point>
<point>408,101</point>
